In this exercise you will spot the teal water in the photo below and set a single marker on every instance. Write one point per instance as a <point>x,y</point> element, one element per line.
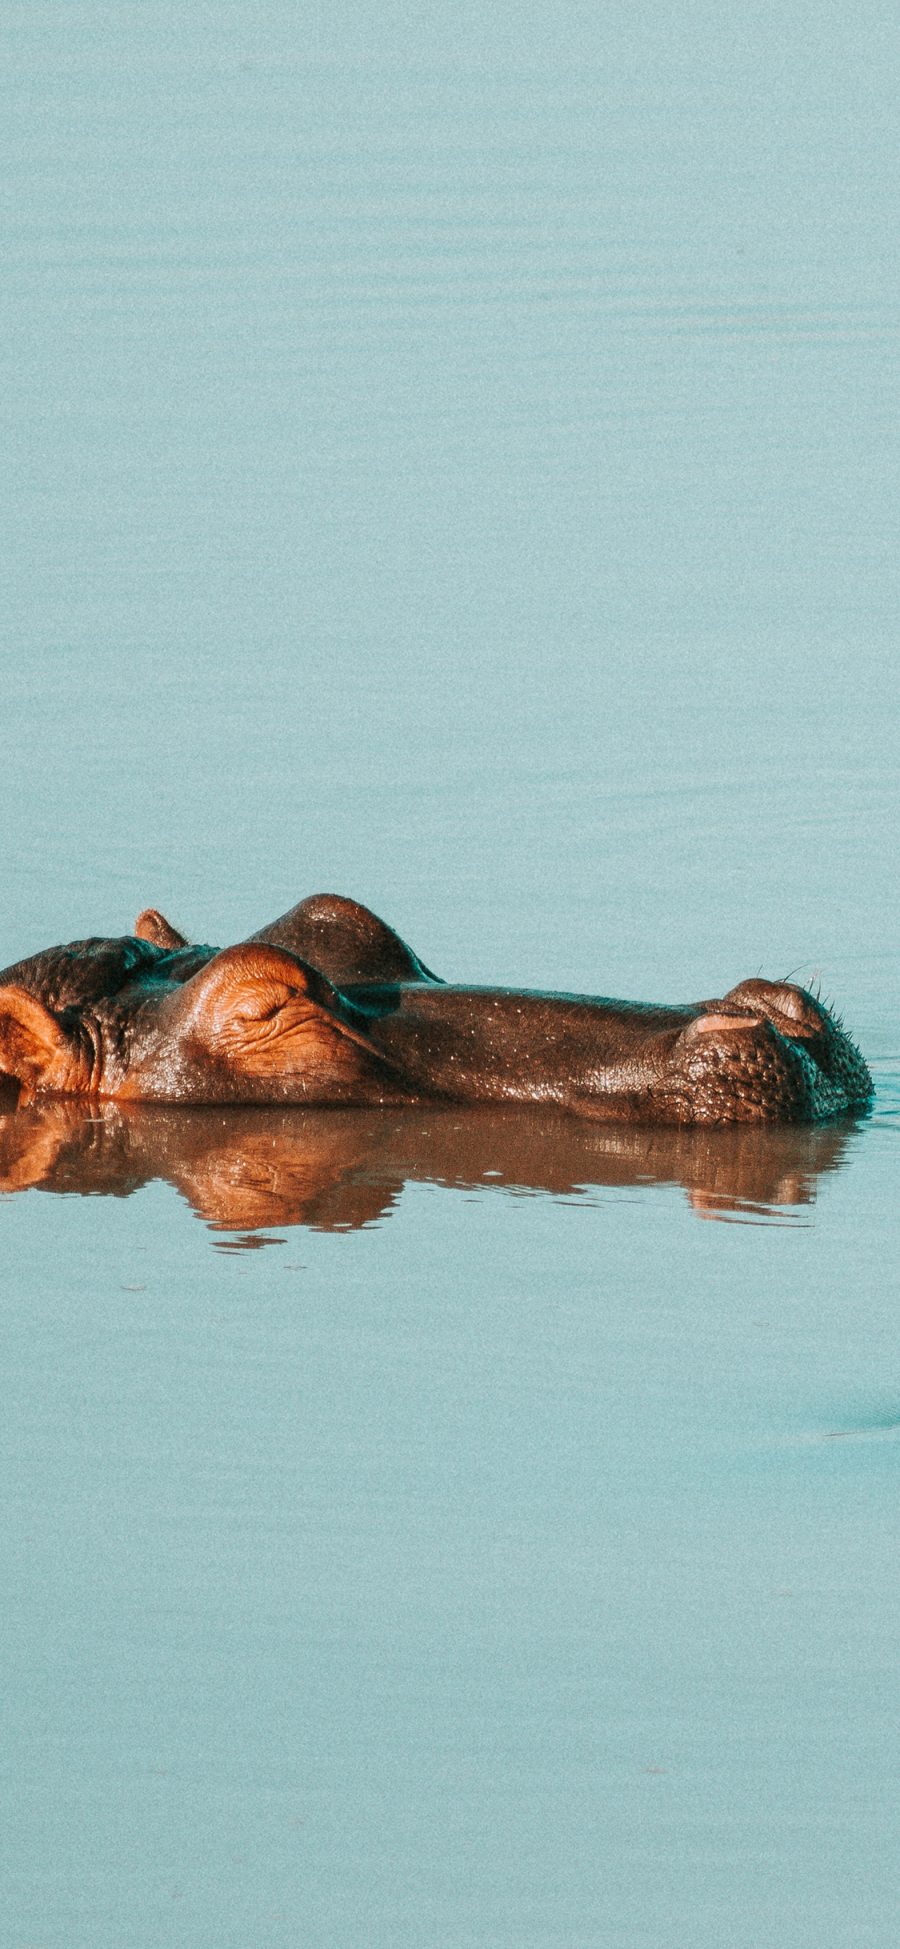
<point>451,458</point>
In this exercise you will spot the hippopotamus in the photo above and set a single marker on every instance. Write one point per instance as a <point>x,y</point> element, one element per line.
<point>328,1005</point>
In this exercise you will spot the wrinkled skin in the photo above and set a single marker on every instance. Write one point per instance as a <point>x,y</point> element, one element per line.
<point>328,1005</point>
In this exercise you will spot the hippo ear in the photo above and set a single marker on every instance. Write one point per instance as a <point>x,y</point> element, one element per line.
<point>265,1012</point>
<point>34,1049</point>
<point>153,926</point>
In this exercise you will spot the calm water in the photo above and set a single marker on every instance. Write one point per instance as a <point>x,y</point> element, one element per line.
<point>451,457</point>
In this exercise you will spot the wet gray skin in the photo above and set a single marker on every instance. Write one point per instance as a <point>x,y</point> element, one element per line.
<point>328,1005</point>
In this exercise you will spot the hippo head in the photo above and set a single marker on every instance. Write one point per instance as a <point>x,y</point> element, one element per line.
<point>330,1006</point>
<point>131,1019</point>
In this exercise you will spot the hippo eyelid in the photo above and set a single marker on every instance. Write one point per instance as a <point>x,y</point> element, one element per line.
<point>264,1005</point>
<point>277,998</point>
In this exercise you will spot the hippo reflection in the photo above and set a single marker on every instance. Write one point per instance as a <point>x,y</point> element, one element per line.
<point>242,1169</point>
<point>329,1006</point>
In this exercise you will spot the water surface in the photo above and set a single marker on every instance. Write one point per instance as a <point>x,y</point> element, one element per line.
<point>451,459</point>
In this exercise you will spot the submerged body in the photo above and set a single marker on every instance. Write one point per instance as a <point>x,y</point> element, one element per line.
<point>328,1005</point>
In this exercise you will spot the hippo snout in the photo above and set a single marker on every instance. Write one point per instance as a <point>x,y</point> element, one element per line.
<point>768,1050</point>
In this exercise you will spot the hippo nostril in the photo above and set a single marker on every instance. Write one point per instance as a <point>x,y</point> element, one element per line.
<point>788,1007</point>
<point>711,1024</point>
<point>798,1007</point>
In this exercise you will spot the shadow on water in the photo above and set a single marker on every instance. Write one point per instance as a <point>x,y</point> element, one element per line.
<point>243,1170</point>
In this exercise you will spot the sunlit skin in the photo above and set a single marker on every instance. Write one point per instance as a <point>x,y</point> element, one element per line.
<point>329,1006</point>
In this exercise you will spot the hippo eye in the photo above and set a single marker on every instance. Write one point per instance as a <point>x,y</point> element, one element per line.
<point>262,1004</point>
